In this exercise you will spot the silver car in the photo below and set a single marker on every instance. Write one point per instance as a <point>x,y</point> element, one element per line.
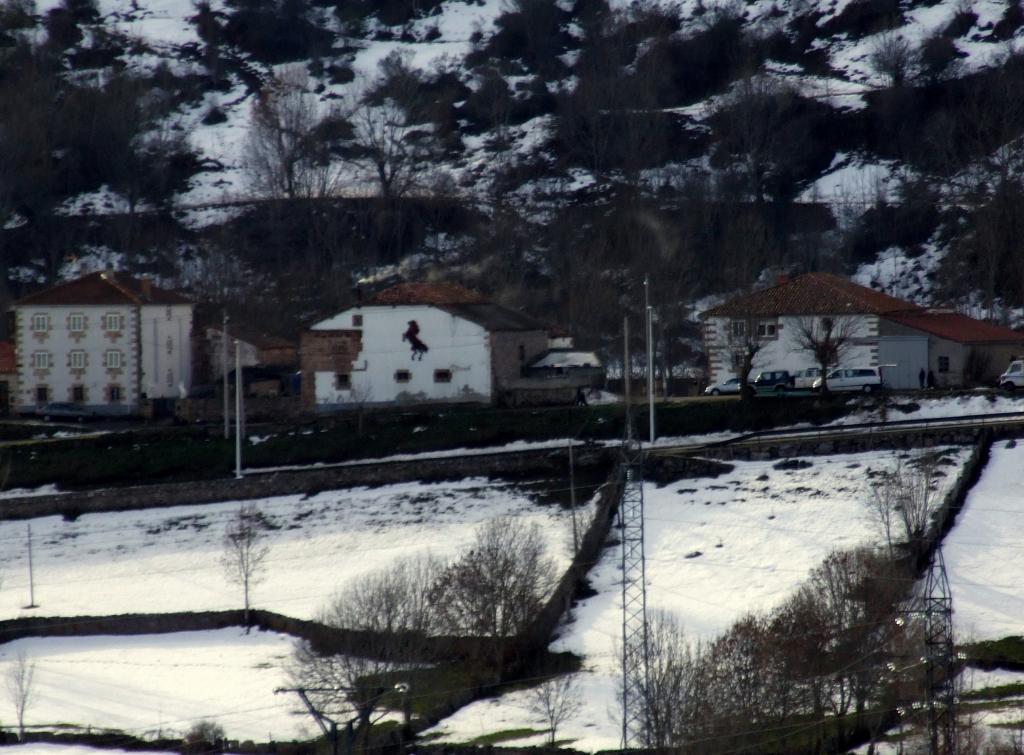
<point>726,387</point>
<point>864,379</point>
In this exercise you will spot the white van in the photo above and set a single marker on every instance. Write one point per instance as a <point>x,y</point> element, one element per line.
<point>1013,377</point>
<point>865,379</point>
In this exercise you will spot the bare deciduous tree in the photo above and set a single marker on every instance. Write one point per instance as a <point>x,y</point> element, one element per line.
<point>20,677</point>
<point>740,343</point>
<point>556,701</point>
<point>673,694</point>
<point>285,154</point>
<point>392,613</point>
<point>245,550</point>
<point>497,587</point>
<point>827,339</point>
<point>903,499</point>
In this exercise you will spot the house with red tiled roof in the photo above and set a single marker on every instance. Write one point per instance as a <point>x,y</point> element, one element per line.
<point>417,342</point>
<point>904,339</point>
<point>107,341</point>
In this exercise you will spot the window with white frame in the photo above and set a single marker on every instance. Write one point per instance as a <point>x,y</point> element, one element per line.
<point>767,329</point>
<point>77,359</point>
<point>76,323</point>
<point>738,328</point>
<point>113,321</point>
<point>42,360</point>
<point>40,322</point>
<point>113,359</point>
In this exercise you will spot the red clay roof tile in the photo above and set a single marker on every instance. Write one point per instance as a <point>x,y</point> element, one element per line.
<point>427,293</point>
<point>957,327</point>
<point>103,289</point>
<point>812,294</point>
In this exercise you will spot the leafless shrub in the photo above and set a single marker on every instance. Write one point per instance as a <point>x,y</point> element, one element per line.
<point>556,701</point>
<point>892,57</point>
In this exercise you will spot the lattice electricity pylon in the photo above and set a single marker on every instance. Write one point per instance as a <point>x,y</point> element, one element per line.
<point>634,601</point>
<point>940,658</point>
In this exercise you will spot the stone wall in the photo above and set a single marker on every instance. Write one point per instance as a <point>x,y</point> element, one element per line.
<point>326,351</point>
<point>308,481</point>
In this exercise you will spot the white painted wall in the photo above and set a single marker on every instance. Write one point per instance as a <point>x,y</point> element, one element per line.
<point>783,352</point>
<point>166,333</point>
<point>454,343</point>
<point>59,342</point>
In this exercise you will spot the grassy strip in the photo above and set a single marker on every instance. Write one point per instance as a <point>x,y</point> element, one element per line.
<point>201,453</point>
<point>1007,652</point>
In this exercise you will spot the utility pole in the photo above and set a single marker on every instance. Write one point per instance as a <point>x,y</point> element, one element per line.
<point>31,574</point>
<point>238,410</point>
<point>572,503</point>
<point>649,316</point>
<point>625,377</point>
<point>224,371</point>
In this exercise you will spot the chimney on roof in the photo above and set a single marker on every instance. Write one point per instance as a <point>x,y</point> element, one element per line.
<point>359,296</point>
<point>782,279</point>
<point>146,285</point>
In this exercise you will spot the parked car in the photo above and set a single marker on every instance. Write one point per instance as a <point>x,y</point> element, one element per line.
<point>63,410</point>
<point>805,378</point>
<point>730,386</point>
<point>865,379</point>
<point>773,380</point>
<point>1013,377</point>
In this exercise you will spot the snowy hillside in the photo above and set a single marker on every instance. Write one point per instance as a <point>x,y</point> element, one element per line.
<point>285,151</point>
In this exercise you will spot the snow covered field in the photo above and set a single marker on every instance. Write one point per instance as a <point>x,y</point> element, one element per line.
<point>983,552</point>
<point>163,684</point>
<point>758,531</point>
<point>162,560</point>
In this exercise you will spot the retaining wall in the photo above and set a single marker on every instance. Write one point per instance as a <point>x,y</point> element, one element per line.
<point>304,481</point>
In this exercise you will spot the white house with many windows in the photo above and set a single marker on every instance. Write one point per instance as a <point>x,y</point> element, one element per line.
<point>911,345</point>
<point>105,341</point>
<point>418,342</point>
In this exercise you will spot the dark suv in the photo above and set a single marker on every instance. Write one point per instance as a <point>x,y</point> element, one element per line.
<point>773,380</point>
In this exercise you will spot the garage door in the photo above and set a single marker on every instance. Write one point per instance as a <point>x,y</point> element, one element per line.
<point>903,358</point>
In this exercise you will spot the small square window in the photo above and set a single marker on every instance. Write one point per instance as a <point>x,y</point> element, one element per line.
<point>76,323</point>
<point>42,394</point>
<point>40,323</point>
<point>402,376</point>
<point>766,329</point>
<point>442,376</point>
<point>113,360</point>
<point>943,364</point>
<point>42,360</point>
<point>739,328</point>
<point>357,321</point>
<point>342,381</point>
<point>113,321</point>
<point>78,394</point>
<point>77,359</point>
<point>114,393</point>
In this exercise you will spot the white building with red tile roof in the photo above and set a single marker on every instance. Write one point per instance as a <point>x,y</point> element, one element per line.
<point>106,341</point>
<point>906,340</point>
<point>417,342</point>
